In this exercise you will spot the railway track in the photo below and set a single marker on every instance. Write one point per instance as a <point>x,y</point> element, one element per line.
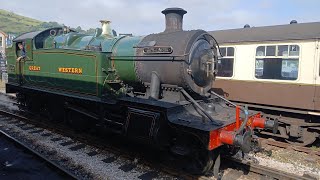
<point>247,167</point>
<point>266,172</point>
<point>284,145</point>
<point>85,139</point>
<point>57,168</point>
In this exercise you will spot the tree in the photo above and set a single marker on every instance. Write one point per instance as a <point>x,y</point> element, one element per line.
<point>78,29</point>
<point>91,31</point>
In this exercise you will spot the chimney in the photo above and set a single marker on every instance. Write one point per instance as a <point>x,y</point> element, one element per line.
<point>174,19</point>
<point>246,26</point>
<point>106,28</point>
<point>294,22</point>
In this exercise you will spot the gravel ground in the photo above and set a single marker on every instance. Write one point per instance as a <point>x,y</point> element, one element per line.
<point>5,102</point>
<point>289,161</point>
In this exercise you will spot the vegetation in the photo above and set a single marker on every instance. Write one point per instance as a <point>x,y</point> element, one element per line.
<point>16,24</point>
<point>12,23</point>
<point>89,31</point>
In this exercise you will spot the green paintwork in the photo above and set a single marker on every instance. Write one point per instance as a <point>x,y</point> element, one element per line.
<point>71,41</point>
<point>104,70</point>
<point>106,42</point>
<point>79,42</point>
<point>11,66</point>
<point>29,48</point>
<point>125,67</point>
<point>89,82</point>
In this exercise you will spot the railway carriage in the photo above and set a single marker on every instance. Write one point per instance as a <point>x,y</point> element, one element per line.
<point>274,69</point>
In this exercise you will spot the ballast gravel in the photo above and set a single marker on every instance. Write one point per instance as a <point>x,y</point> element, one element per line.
<point>289,161</point>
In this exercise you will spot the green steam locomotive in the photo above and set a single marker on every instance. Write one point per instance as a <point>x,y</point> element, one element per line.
<point>155,89</point>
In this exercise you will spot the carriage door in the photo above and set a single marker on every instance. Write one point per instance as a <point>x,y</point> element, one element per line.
<point>316,74</point>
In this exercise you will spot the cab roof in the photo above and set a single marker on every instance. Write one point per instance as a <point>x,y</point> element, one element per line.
<point>29,35</point>
<point>32,35</point>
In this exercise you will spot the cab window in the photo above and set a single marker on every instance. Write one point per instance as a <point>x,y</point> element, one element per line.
<point>225,62</point>
<point>277,62</point>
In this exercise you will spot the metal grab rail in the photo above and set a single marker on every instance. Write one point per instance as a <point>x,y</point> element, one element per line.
<point>200,108</point>
<point>244,110</point>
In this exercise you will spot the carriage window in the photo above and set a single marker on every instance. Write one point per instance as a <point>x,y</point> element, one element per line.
<point>259,68</point>
<point>271,51</point>
<point>294,50</point>
<point>283,50</point>
<point>289,68</point>
<point>230,51</point>
<point>283,65</point>
<point>225,63</point>
<point>261,51</point>
<point>223,52</point>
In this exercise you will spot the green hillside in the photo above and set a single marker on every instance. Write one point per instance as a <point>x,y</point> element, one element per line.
<point>14,23</point>
<point>17,24</point>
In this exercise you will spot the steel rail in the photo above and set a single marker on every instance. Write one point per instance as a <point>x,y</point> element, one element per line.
<point>266,171</point>
<point>285,145</point>
<point>42,157</point>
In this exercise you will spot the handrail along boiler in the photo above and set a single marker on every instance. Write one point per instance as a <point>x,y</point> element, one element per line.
<point>153,89</point>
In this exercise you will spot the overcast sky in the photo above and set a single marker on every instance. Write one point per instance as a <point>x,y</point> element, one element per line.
<point>142,17</point>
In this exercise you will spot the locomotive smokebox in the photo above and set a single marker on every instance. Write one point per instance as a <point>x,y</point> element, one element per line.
<point>174,19</point>
<point>176,57</point>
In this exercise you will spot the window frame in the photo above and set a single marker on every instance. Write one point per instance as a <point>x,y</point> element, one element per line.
<point>280,57</point>
<point>234,60</point>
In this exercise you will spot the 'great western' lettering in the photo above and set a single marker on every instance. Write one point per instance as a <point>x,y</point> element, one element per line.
<point>34,68</point>
<point>70,70</point>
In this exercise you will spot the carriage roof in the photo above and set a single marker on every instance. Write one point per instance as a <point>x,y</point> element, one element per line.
<point>301,31</point>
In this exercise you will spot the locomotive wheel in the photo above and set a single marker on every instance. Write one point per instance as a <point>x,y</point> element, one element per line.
<point>55,110</point>
<point>32,105</point>
<point>21,100</point>
<point>306,139</point>
<point>56,113</point>
<point>78,121</point>
<point>202,162</point>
